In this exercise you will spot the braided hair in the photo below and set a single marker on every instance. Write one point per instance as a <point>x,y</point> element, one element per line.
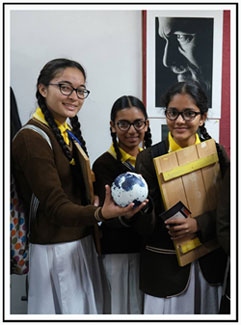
<point>48,72</point>
<point>123,103</point>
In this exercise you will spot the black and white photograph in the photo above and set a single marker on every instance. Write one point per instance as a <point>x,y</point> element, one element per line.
<point>181,46</point>
<point>184,51</point>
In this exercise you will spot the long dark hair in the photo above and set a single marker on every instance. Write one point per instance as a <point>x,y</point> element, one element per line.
<point>48,72</point>
<point>194,90</point>
<point>123,103</point>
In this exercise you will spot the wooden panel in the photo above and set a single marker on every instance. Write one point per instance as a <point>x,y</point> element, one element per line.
<point>168,162</point>
<point>190,167</point>
<point>197,190</point>
<point>203,249</point>
<point>87,172</point>
<point>192,182</point>
<point>211,175</point>
<point>89,177</point>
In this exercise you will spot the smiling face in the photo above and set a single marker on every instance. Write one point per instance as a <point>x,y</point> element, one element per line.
<point>129,140</point>
<point>184,132</point>
<point>62,106</point>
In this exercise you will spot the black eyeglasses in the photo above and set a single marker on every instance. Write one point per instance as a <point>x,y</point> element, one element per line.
<point>125,125</point>
<point>67,90</point>
<point>187,114</point>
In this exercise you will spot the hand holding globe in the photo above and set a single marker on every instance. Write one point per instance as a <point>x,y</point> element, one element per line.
<point>111,210</point>
<point>129,188</point>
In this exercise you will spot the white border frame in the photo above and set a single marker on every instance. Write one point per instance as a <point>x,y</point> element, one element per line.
<point>5,308</point>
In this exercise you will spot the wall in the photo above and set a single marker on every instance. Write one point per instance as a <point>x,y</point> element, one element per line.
<point>107,43</point>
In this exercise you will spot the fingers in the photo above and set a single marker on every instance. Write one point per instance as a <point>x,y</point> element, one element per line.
<point>177,228</point>
<point>111,210</point>
<point>96,201</point>
<point>107,190</point>
<point>177,221</point>
<point>176,235</point>
<point>107,193</point>
<point>130,210</point>
<point>180,228</point>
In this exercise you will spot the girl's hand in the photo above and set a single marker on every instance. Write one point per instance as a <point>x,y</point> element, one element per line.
<point>181,227</point>
<point>96,201</point>
<point>111,210</point>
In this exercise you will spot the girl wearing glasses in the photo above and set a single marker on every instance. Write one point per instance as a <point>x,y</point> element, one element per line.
<point>64,276</point>
<point>129,127</point>
<point>169,288</point>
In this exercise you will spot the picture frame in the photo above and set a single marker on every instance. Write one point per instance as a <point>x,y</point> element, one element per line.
<point>151,79</point>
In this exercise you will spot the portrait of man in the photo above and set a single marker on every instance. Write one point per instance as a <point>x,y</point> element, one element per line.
<point>184,51</point>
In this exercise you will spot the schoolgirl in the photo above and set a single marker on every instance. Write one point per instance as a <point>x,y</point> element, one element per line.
<point>169,288</point>
<point>129,128</point>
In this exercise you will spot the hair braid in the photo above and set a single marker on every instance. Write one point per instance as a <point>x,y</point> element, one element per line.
<point>49,118</point>
<point>116,147</point>
<point>77,132</point>
<point>204,133</point>
<point>147,138</point>
<point>222,161</point>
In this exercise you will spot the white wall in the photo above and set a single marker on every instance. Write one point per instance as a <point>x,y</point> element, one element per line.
<point>108,45</point>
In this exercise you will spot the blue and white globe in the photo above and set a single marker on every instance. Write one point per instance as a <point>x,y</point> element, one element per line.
<point>129,187</point>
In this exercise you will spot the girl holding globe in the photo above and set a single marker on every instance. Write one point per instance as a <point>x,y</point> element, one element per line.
<point>64,275</point>
<point>170,289</point>
<point>129,127</point>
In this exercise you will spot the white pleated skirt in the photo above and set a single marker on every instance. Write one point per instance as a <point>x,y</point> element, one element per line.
<point>122,293</point>
<point>199,298</point>
<point>65,279</point>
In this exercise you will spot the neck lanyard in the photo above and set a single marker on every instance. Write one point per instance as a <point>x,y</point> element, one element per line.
<point>129,165</point>
<point>73,137</point>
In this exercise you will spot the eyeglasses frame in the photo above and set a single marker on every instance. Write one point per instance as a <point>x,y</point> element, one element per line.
<point>73,89</point>
<point>130,124</point>
<point>182,115</point>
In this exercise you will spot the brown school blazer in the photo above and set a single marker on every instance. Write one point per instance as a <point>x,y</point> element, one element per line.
<point>46,172</point>
<point>117,235</point>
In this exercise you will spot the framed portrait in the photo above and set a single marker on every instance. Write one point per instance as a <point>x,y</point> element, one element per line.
<point>179,46</point>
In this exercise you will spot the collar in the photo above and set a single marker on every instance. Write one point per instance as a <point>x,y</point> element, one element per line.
<point>173,146</point>
<point>38,115</point>
<point>125,156</point>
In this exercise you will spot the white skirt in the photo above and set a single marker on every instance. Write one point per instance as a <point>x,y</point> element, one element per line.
<point>122,293</point>
<point>65,279</point>
<point>199,298</point>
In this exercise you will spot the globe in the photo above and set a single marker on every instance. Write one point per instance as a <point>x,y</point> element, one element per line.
<point>129,187</point>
